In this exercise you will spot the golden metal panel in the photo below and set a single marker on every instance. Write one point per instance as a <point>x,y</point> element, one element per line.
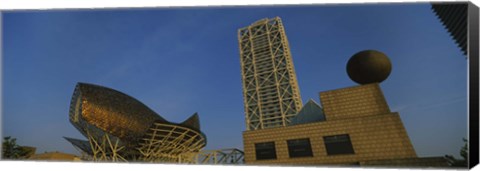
<point>121,128</point>
<point>112,111</point>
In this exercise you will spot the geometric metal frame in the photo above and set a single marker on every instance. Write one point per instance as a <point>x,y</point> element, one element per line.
<point>104,150</point>
<point>164,143</point>
<point>270,90</point>
<point>184,148</point>
<point>121,128</point>
<point>222,156</point>
<point>170,143</point>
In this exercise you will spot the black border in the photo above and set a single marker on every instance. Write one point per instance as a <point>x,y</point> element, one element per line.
<point>473,84</point>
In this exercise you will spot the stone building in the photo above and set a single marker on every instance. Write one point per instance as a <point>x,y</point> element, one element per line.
<point>354,126</point>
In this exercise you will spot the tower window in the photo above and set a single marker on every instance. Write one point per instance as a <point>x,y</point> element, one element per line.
<point>299,148</point>
<point>338,144</point>
<point>265,151</point>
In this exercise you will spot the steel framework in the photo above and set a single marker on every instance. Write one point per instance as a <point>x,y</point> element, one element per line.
<point>171,143</point>
<point>120,128</point>
<point>222,156</point>
<point>164,143</point>
<point>105,148</point>
<point>270,90</point>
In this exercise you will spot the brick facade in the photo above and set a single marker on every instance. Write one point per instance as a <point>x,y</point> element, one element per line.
<point>361,112</point>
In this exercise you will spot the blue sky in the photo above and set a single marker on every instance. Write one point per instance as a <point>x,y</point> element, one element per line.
<point>179,61</point>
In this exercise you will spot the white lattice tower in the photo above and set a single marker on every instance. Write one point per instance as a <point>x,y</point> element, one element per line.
<point>270,89</point>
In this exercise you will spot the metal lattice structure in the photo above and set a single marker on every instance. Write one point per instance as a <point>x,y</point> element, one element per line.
<point>222,156</point>
<point>120,128</point>
<point>105,149</point>
<point>171,143</point>
<point>270,90</point>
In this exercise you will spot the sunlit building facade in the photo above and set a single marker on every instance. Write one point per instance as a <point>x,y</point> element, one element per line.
<point>121,128</point>
<point>352,126</point>
<point>270,89</point>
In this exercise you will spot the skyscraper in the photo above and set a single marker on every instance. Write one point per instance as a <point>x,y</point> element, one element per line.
<point>454,16</point>
<point>270,89</point>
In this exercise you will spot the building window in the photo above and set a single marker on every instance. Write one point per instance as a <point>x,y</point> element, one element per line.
<point>265,151</point>
<point>338,144</point>
<point>299,148</point>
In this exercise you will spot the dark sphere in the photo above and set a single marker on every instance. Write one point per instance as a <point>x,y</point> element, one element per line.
<point>369,66</point>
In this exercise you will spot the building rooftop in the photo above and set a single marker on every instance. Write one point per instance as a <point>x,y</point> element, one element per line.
<point>310,112</point>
